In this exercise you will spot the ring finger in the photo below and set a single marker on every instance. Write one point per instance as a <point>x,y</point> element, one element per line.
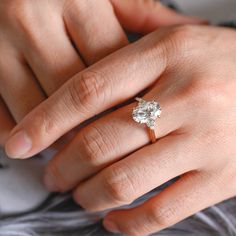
<point>109,139</point>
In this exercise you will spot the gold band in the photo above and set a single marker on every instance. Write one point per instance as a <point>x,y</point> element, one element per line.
<point>147,112</point>
<point>152,135</point>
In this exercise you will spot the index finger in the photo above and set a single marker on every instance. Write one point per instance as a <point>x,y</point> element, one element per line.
<point>107,83</point>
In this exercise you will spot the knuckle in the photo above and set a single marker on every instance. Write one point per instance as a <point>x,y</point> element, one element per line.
<point>59,180</point>
<point>87,90</point>
<point>161,216</point>
<point>181,32</point>
<point>72,7</point>
<point>21,15</point>
<point>44,124</point>
<point>118,186</point>
<point>212,94</point>
<point>181,40</point>
<point>115,191</point>
<point>96,145</point>
<point>22,18</point>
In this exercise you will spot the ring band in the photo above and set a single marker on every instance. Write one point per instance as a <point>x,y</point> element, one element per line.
<point>152,135</point>
<point>147,112</point>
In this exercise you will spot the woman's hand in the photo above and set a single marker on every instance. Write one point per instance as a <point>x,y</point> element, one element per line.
<point>43,43</point>
<point>190,71</point>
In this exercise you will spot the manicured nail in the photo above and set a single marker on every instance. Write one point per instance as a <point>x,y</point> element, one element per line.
<point>50,183</point>
<point>110,226</point>
<point>18,145</point>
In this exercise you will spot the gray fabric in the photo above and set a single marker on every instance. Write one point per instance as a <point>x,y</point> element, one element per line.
<point>59,216</point>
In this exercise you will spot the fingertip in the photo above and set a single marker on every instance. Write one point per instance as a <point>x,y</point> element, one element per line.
<point>18,145</point>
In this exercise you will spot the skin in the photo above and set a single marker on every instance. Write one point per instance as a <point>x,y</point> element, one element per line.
<point>190,71</point>
<point>47,42</point>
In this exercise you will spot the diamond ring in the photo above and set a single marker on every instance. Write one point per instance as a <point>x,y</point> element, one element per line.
<point>147,113</point>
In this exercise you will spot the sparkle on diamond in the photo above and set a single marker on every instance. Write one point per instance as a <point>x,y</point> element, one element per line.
<point>147,113</point>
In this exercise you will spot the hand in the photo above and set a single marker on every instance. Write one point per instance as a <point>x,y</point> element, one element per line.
<point>190,71</point>
<point>43,43</point>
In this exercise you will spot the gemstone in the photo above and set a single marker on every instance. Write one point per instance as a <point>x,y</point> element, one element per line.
<point>146,112</point>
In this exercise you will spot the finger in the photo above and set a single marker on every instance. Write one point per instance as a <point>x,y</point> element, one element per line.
<point>85,23</point>
<point>48,51</point>
<point>18,86</point>
<point>146,16</point>
<point>89,93</point>
<point>6,122</point>
<point>111,138</point>
<point>137,174</point>
<point>177,202</point>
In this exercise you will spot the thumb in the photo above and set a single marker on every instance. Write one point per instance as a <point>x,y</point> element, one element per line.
<point>144,16</point>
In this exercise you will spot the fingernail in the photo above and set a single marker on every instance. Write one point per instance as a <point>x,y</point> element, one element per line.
<point>110,226</point>
<point>18,145</point>
<point>50,183</point>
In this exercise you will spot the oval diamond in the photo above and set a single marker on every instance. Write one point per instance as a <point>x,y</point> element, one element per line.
<point>146,112</point>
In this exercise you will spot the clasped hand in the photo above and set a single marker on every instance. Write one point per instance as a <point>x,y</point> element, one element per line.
<point>190,71</point>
